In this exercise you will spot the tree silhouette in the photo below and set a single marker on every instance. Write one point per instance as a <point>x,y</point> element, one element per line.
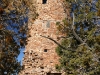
<point>13,33</point>
<point>82,53</point>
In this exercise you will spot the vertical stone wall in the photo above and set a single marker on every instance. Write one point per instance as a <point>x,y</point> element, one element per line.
<point>40,56</point>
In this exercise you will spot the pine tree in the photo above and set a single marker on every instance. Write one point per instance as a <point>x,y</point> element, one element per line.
<point>13,33</point>
<point>80,48</point>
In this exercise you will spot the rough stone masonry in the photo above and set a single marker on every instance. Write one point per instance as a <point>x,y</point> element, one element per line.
<point>40,56</point>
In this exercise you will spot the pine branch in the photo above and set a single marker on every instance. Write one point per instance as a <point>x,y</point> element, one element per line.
<point>74,33</point>
<point>70,49</point>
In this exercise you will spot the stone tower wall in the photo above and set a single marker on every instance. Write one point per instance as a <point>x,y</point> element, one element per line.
<point>40,56</point>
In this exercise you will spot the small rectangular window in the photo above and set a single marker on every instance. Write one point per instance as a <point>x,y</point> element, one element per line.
<point>45,50</point>
<point>44,1</point>
<point>48,24</point>
<point>42,67</point>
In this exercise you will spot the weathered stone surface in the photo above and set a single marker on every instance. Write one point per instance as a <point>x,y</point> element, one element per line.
<point>40,56</point>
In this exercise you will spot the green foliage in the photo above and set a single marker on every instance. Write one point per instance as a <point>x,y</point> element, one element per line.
<point>83,58</point>
<point>13,32</point>
<point>9,51</point>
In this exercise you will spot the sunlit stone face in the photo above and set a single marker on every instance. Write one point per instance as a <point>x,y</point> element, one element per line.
<point>42,58</point>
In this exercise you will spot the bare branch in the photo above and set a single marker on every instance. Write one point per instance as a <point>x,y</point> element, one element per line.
<point>70,49</point>
<point>72,27</point>
<point>77,37</point>
<point>74,33</point>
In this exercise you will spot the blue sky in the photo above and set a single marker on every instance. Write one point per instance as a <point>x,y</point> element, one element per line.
<point>21,55</point>
<point>14,25</point>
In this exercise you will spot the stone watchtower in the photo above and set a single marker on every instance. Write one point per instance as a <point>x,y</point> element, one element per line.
<point>40,56</point>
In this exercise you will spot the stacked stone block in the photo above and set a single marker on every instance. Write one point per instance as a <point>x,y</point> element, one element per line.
<point>40,56</point>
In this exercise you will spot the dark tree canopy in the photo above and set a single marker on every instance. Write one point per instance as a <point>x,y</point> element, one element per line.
<point>13,32</point>
<point>80,48</point>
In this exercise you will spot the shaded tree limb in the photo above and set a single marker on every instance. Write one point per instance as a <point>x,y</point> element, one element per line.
<point>77,37</point>
<point>70,49</point>
<point>74,33</point>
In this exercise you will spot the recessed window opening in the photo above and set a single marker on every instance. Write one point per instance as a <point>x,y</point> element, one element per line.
<point>45,50</point>
<point>44,1</point>
<point>51,61</point>
<point>42,67</point>
<point>48,24</point>
<point>36,55</point>
<point>26,73</point>
<point>30,64</point>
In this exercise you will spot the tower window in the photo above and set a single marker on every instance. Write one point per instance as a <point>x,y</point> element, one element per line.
<point>42,67</point>
<point>48,24</point>
<point>45,50</point>
<point>44,1</point>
